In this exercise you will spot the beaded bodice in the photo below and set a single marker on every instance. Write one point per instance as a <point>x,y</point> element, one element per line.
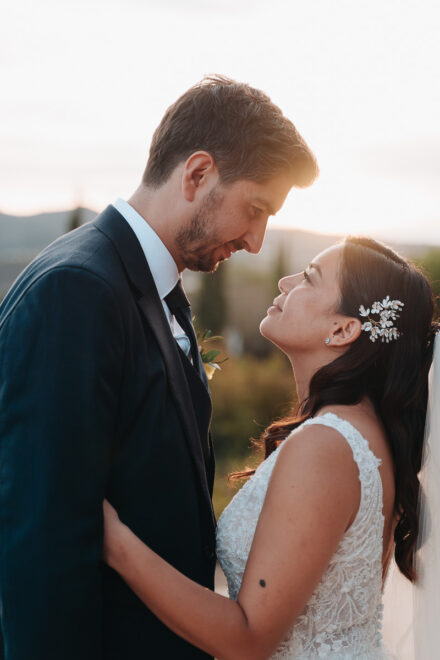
<point>342,618</point>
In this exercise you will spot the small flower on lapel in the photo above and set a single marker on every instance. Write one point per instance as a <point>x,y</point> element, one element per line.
<point>210,363</point>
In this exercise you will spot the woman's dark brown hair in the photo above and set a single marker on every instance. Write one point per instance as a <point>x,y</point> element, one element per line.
<point>247,135</point>
<point>393,375</point>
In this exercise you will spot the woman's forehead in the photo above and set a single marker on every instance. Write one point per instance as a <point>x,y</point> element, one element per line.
<point>329,259</point>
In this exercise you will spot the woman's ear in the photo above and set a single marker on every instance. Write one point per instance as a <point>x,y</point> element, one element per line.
<point>198,168</point>
<point>344,331</point>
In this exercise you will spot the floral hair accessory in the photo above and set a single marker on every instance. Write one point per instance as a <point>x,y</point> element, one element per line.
<point>388,311</point>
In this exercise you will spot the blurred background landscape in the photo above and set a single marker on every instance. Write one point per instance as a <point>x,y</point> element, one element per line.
<point>86,82</point>
<point>255,384</point>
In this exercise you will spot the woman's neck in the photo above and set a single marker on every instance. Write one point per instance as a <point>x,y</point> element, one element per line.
<point>304,367</point>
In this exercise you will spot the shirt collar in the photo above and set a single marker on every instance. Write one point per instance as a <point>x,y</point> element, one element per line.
<point>162,265</point>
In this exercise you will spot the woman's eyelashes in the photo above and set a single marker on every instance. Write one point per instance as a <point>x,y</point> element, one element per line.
<point>306,276</point>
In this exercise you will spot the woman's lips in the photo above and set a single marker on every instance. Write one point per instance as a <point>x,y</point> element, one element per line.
<point>273,309</point>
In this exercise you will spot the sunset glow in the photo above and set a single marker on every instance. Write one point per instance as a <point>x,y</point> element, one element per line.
<point>85,84</point>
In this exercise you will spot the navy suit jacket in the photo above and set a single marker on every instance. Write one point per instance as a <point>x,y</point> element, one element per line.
<point>94,403</point>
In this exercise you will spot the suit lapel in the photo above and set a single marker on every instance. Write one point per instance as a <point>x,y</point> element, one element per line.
<point>113,225</point>
<point>177,380</point>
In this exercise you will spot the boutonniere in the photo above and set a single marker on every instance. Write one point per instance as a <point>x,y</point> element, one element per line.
<point>209,356</point>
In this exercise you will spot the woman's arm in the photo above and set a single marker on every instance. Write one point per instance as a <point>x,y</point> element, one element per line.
<point>312,496</point>
<point>190,610</point>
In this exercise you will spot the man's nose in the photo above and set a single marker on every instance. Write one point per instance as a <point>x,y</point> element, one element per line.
<point>254,237</point>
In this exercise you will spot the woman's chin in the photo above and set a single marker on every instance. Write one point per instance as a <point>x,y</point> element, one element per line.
<point>264,331</point>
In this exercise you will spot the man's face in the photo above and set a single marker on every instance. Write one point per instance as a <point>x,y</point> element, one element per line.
<point>229,218</point>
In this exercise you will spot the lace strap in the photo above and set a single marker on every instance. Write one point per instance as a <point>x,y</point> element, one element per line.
<point>367,462</point>
<point>359,445</point>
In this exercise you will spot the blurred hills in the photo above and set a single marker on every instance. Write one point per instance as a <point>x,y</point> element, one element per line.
<point>23,237</point>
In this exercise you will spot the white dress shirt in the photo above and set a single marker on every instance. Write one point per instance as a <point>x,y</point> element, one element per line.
<point>162,265</point>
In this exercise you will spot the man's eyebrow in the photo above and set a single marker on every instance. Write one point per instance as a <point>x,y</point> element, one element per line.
<point>262,202</point>
<point>316,267</point>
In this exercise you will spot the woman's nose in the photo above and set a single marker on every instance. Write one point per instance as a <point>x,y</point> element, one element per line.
<point>287,283</point>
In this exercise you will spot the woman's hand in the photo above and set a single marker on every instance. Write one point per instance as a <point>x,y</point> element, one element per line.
<point>113,532</point>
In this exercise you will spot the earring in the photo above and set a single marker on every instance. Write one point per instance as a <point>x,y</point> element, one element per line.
<point>327,340</point>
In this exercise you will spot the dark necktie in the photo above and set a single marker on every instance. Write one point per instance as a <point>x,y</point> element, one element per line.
<point>179,306</point>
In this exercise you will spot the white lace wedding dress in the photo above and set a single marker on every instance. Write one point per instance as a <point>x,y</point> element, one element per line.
<point>343,617</point>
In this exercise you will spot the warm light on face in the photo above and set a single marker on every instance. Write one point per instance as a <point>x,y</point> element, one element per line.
<point>303,312</point>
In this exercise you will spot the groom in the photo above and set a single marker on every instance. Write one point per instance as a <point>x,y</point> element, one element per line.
<point>102,391</point>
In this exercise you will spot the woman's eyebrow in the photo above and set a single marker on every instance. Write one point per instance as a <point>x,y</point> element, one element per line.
<point>316,267</point>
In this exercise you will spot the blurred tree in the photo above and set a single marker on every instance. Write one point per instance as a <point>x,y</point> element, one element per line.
<point>211,306</point>
<point>250,293</point>
<point>247,395</point>
<point>75,219</point>
<point>430,263</point>
<point>280,268</point>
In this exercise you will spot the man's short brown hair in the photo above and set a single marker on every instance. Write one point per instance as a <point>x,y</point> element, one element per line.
<point>246,134</point>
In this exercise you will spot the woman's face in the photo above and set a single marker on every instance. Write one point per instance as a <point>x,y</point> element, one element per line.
<point>303,316</point>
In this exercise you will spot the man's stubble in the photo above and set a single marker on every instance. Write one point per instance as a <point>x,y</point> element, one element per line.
<point>198,241</point>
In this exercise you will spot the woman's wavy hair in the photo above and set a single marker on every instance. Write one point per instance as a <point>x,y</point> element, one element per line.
<point>393,375</point>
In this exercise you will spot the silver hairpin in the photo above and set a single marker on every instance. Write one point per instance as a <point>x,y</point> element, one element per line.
<point>388,311</point>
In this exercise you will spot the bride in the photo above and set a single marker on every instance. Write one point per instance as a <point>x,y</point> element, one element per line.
<point>306,543</point>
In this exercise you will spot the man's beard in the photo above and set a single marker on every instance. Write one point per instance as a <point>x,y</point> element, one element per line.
<point>198,241</point>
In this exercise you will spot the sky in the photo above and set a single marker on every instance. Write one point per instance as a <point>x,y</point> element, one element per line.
<point>84,83</point>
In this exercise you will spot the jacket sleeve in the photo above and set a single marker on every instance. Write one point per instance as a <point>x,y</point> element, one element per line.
<point>61,356</point>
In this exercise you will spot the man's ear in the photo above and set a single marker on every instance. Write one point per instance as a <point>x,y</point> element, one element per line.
<point>198,169</point>
<point>344,331</point>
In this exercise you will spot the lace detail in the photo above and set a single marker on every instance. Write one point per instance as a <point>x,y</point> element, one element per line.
<point>343,616</point>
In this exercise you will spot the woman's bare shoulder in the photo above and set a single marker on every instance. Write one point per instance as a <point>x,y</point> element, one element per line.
<point>321,453</point>
<point>363,417</point>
